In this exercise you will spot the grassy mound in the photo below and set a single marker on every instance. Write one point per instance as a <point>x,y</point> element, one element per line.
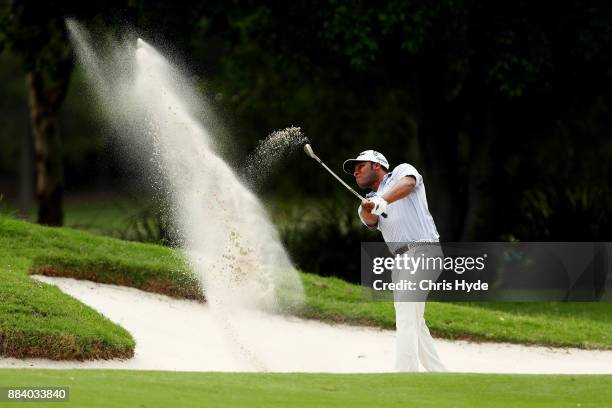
<point>582,325</point>
<point>71,253</point>
<point>38,320</point>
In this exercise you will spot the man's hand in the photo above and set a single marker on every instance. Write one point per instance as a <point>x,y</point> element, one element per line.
<point>380,205</point>
<point>367,206</point>
<point>371,209</point>
<point>366,213</point>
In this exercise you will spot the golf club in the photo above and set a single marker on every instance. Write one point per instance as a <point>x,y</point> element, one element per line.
<point>310,153</point>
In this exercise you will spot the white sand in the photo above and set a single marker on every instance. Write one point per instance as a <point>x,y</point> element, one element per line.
<point>185,336</point>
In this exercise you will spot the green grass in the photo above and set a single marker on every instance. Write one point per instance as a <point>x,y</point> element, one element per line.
<point>110,216</point>
<point>36,318</point>
<point>116,216</point>
<point>67,252</point>
<point>122,388</point>
<point>583,325</point>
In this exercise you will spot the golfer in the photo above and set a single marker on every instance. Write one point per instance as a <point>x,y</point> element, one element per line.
<point>401,195</point>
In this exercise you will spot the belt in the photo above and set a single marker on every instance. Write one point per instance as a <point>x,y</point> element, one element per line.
<point>402,250</point>
<point>405,248</point>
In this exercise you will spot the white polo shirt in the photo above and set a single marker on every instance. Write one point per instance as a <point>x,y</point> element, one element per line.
<point>408,219</point>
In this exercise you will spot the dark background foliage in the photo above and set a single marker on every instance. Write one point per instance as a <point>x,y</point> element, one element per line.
<point>504,107</point>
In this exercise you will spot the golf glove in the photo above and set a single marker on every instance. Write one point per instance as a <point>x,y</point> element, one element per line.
<point>380,205</point>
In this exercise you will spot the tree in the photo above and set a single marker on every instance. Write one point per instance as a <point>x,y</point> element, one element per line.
<point>35,31</point>
<point>486,89</point>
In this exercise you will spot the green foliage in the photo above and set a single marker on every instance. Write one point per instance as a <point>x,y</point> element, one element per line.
<point>457,87</point>
<point>129,218</point>
<point>5,210</point>
<point>150,224</point>
<point>36,32</point>
<point>567,213</point>
<point>13,112</point>
<point>326,239</point>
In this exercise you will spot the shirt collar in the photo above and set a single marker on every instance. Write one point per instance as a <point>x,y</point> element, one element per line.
<point>386,178</point>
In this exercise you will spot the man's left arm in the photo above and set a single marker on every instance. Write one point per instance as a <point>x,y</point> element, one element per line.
<point>401,189</point>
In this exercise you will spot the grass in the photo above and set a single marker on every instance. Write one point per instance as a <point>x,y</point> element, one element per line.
<point>67,252</point>
<point>119,388</point>
<point>116,216</point>
<point>37,319</point>
<point>583,325</point>
<point>101,215</point>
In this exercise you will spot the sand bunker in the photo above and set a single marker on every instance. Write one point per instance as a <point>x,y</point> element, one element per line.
<point>183,335</point>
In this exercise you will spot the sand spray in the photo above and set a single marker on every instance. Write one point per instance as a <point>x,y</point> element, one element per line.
<point>221,225</point>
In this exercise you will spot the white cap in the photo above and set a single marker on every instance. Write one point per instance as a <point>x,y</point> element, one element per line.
<point>368,155</point>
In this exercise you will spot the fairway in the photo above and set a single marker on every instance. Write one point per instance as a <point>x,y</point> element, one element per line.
<point>118,388</point>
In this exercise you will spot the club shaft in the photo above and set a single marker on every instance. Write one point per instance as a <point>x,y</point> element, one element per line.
<point>339,179</point>
<point>310,153</point>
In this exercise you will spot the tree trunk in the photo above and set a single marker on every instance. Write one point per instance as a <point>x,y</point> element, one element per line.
<point>45,100</point>
<point>26,176</point>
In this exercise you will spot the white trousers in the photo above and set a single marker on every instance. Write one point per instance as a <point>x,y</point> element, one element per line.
<point>413,342</point>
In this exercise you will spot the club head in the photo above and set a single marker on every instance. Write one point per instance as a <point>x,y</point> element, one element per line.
<point>309,151</point>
